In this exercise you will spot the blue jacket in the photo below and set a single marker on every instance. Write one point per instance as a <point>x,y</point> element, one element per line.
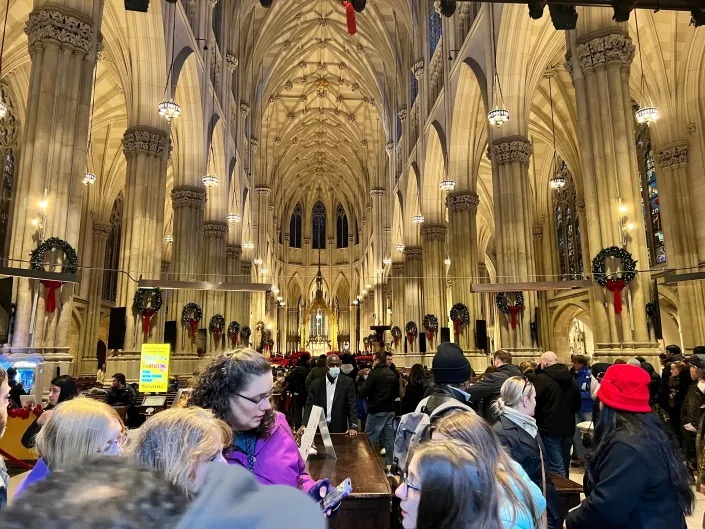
<point>582,378</point>
<point>523,519</point>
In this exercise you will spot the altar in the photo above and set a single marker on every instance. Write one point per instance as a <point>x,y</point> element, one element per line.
<point>318,346</point>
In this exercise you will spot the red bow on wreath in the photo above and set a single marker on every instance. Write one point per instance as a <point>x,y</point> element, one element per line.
<point>456,325</point>
<point>350,16</point>
<point>216,334</point>
<point>147,319</point>
<point>193,323</point>
<point>514,310</point>
<point>410,337</point>
<point>396,340</point>
<point>616,286</point>
<point>51,287</point>
<point>234,339</point>
<point>430,334</point>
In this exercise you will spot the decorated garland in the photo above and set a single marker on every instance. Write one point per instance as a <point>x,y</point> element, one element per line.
<point>245,333</point>
<point>460,316</point>
<point>233,331</point>
<point>510,309</point>
<point>191,316</point>
<point>216,327</point>
<point>155,303</point>
<point>614,284</point>
<point>430,323</point>
<point>396,334</point>
<point>70,265</point>
<point>411,332</point>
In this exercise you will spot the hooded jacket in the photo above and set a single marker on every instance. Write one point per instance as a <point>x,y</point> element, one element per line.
<point>486,391</point>
<point>557,401</point>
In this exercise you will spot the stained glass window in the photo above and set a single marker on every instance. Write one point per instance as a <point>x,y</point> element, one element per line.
<point>435,29</point>
<point>570,255</point>
<point>112,252</point>
<point>650,205</point>
<point>341,227</point>
<point>414,85</point>
<point>295,228</point>
<point>319,226</point>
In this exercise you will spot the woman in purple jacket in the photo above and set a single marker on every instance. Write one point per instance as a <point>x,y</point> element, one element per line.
<point>237,387</point>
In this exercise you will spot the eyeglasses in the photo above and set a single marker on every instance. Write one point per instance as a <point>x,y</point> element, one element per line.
<point>406,482</point>
<point>256,401</point>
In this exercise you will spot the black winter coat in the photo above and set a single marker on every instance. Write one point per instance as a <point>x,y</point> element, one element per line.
<point>381,389</point>
<point>630,489</point>
<point>297,382</point>
<point>524,449</point>
<point>691,410</point>
<point>344,409</point>
<point>557,401</point>
<point>486,391</point>
<point>413,395</point>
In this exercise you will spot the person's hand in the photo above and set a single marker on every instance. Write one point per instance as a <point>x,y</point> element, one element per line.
<point>689,428</point>
<point>702,489</point>
<point>300,431</point>
<point>352,432</point>
<point>44,417</point>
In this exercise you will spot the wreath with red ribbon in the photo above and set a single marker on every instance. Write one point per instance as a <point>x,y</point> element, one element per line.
<point>396,334</point>
<point>460,316</point>
<point>233,332</point>
<point>155,303</point>
<point>430,323</point>
<point>192,316</point>
<point>411,331</point>
<point>245,334</point>
<point>216,326</point>
<point>510,309</point>
<point>69,266</point>
<point>613,282</point>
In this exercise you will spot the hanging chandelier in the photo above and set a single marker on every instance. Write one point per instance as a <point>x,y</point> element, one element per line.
<point>233,217</point>
<point>447,184</point>
<point>3,109</point>
<point>248,245</point>
<point>354,302</point>
<point>380,271</point>
<point>257,261</point>
<point>367,286</point>
<point>647,115</point>
<point>88,178</point>
<point>446,261</point>
<point>417,219</point>
<point>498,116</point>
<point>399,247</point>
<point>264,271</point>
<point>558,181</point>
<point>387,261</point>
<point>169,109</point>
<point>168,239</point>
<point>210,180</point>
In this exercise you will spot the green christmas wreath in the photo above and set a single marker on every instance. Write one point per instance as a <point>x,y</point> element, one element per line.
<point>411,331</point>
<point>245,334</point>
<point>460,316</point>
<point>155,303</point>
<point>510,309</point>
<point>430,323</point>
<point>233,332</point>
<point>70,264</point>
<point>191,315</point>
<point>628,265</point>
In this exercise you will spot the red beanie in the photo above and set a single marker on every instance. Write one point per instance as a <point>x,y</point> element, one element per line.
<point>625,387</point>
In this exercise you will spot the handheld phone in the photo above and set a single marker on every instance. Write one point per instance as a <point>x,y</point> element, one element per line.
<point>333,499</point>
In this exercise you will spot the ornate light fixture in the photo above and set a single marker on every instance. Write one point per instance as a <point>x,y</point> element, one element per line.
<point>417,219</point>
<point>364,291</point>
<point>367,286</point>
<point>257,261</point>
<point>233,217</point>
<point>649,113</point>
<point>446,261</point>
<point>380,271</point>
<point>447,184</point>
<point>210,180</point>
<point>264,271</point>
<point>387,261</point>
<point>168,239</point>
<point>169,109</point>
<point>498,116</point>
<point>248,245</point>
<point>399,247</point>
<point>88,178</point>
<point>275,290</point>
<point>279,298</point>
<point>558,180</point>
<point>354,302</point>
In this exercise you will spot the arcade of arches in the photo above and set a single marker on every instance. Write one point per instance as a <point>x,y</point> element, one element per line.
<point>323,151</point>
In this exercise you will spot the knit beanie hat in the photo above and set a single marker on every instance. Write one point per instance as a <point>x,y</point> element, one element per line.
<point>450,365</point>
<point>625,387</point>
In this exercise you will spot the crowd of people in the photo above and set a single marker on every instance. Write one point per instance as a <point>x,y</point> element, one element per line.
<point>480,451</point>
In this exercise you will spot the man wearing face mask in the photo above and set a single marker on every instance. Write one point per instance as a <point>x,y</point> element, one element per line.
<point>336,395</point>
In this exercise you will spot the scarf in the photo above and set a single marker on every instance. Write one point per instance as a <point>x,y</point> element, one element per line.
<point>246,442</point>
<point>521,420</point>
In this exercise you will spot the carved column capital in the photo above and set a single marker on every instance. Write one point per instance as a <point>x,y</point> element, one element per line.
<point>244,108</point>
<point>462,201</point>
<point>231,61</point>
<point>434,232</point>
<point>389,147</point>
<point>417,69</point>
<point>146,140</point>
<point>165,266</point>
<point>511,149</point>
<point>376,192</point>
<point>413,253</point>
<point>188,196</point>
<point>398,269</point>
<point>580,204</point>
<point>598,51</point>
<point>233,251</point>
<point>215,229</point>
<point>673,155</point>
<point>262,190</point>
<point>537,231</point>
<point>58,25</point>
<point>101,230</point>
<point>402,113</point>
<point>245,267</point>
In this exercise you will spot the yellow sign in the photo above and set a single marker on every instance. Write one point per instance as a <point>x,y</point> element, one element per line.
<point>154,367</point>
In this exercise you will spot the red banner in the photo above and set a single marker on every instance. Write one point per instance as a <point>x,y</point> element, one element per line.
<point>616,287</point>
<point>514,310</point>
<point>51,287</point>
<point>147,319</point>
<point>350,17</point>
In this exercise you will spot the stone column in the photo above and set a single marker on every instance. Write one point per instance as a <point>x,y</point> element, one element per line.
<point>462,216</point>
<point>62,47</point>
<point>292,343</point>
<point>413,292</point>
<point>515,255</point>
<point>146,152</point>
<point>245,297</point>
<point>399,282</point>
<point>233,252</point>
<point>599,61</point>
<point>214,260</point>
<point>434,284</point>
<point>188,203</point>
<point>674,194</point>
<point>101,232</point>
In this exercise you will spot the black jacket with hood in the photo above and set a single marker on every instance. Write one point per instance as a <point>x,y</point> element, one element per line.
<point>486,391</point>
<point>557,401</point>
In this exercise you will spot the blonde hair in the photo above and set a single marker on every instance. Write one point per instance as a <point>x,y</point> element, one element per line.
<point>78,428</point>
<point>512,391</point>
<point>476,432</point>
<point>174,442</point>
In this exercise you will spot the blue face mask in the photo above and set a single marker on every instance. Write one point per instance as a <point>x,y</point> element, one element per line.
<point>334,372</point>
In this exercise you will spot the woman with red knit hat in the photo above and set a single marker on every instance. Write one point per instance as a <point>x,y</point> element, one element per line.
<point>636,478</point>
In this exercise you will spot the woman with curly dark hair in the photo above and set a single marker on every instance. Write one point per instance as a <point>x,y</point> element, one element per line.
<point>236,387</point>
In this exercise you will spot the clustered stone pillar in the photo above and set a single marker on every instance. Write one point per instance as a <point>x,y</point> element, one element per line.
<point>674,194</point>
<point>343,327</point>
<point>434,287</point>
<point>233,252</point>
<point>398,301</point>
<point>413,295</point>
<point>62,47</point>
<point>245,297</point>
<point>188,203</point>
<point>214,257</point>
<point>292,341</point>
<point>599,61</point>
<point>146,152</point>
<point>101,232</point>
<point>515,253</point>
<point>462,217</point>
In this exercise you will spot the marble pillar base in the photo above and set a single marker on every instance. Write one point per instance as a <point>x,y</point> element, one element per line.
<point>607,352</point>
